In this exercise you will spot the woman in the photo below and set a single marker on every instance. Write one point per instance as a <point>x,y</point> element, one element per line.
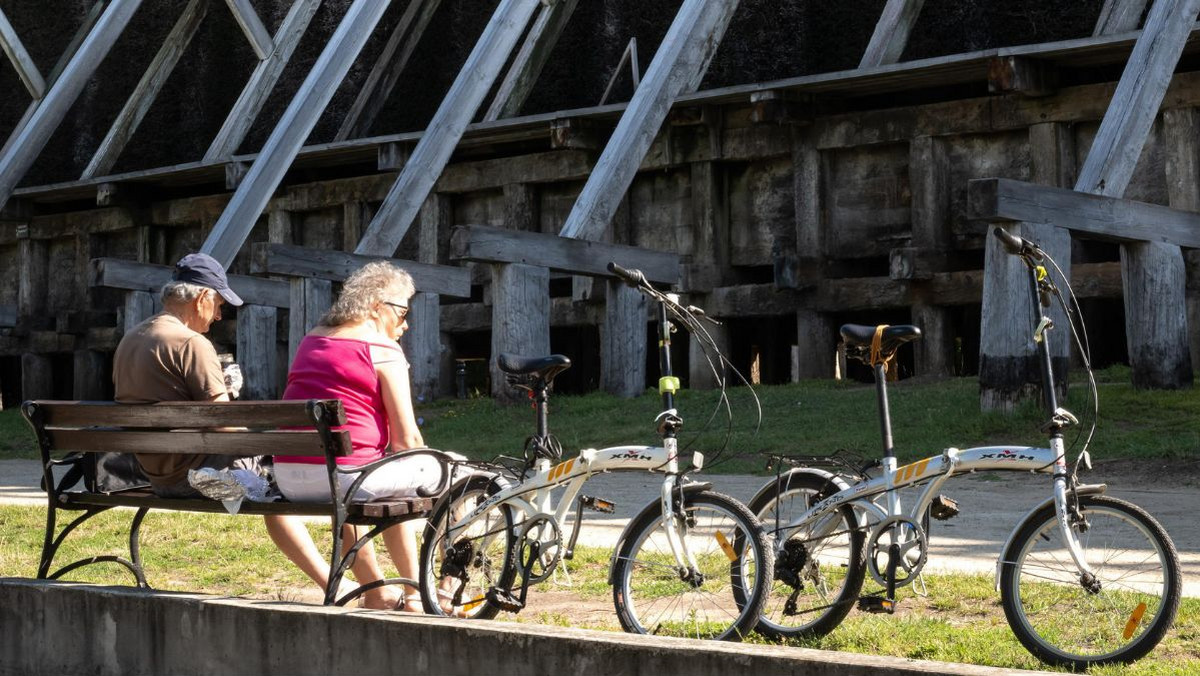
<point>352,355</point>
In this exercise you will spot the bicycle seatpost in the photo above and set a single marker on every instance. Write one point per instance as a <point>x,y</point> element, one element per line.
<point>885,416</point>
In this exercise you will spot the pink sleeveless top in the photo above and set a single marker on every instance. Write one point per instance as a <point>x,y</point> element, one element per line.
<point>341,368</point>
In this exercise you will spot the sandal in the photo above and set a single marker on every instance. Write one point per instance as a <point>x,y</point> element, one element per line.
<point>448,608</point>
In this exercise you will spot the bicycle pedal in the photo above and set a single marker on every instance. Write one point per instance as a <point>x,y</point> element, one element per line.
<point>597,504</point>
<point>504,600</point>
<point>876,604</point>
<point>943,508</point>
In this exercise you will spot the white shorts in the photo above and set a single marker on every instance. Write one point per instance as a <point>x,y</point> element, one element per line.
<point>301,482</point>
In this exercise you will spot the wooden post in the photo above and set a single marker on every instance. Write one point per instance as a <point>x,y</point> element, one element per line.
<point>256,351</point>
<point>139,306</point>
<point>91,377</point>
<point>355,217</point>
<point>816,340</point>
<point>928,171</point>
<point>37,376</point>
<point>1008,369</point>
<point>623,341</point>
<point>310,298</point>
<point>808,189</point>
<point>700,370</point>
<point>436,220</point>
<point>1153,273</point>
<point>423,344</point>
<point>31,274</point>
<point>520,318</point>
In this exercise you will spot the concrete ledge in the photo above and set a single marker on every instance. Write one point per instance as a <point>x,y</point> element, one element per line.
<point>56,628</point>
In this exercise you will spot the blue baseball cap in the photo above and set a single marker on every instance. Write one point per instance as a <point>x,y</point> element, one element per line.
<point>204,270</point>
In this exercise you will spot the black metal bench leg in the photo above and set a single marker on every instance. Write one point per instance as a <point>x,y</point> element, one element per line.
<point>53,543</point>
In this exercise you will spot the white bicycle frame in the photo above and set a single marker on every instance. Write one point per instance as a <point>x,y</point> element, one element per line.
<point>532,497</point>
<point>934,472</point>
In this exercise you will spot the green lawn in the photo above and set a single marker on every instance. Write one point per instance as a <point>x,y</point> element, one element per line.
<point>814,417</point>
<point>960,621</point>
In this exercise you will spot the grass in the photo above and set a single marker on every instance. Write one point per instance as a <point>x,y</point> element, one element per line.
<point>960,621</point>
<point>810,418</point>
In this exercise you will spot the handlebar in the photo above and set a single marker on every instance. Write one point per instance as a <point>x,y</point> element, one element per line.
<point>1017,246</point>
<point>633,278</point>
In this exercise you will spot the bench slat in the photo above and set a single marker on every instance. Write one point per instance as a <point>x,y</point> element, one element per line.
<point>299,442</point>
<point>143,498</point>
<point>171,414</point>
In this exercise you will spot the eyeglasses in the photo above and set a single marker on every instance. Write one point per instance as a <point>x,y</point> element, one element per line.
<point>400,310</point>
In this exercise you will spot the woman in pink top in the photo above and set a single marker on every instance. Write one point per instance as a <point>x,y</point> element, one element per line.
<point>352,355</point>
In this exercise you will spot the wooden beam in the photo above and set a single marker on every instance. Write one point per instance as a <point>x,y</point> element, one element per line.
<point>530,59</point>
<point>1022,75</point>
<point>27,141</point>
<point>1135,103</point>
<point>891,32</point>
<point>387,69</point>
<point>293,128</point>
<point>1119,16</point>
<point>8,315</point>
<point>252,26</point>
<point>115,273</point>
<point>429,158</point>
<point>298,261</point>
<point>250,102</point>
<point>26,69</point>
<point>1182,166</point>
<point>549,167</point>
<point>577,257</point>
<point>681,60</point>
<point>1002,199</point>
<point>147,89</point>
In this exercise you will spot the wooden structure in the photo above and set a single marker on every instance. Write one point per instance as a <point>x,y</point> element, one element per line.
<point>784,208</point>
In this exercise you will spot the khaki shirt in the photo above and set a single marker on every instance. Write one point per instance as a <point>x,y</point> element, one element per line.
<point>161,359</point>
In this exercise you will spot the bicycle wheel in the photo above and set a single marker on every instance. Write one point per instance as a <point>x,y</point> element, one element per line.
<point>721,599</point>
<point>1118,617</point>
<point>819,567</point>
<point>456,576</point>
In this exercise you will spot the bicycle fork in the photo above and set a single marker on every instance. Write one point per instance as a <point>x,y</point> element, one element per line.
<point>1067,516</point>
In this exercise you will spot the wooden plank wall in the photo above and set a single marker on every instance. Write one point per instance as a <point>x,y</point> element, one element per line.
<point>807,222</point>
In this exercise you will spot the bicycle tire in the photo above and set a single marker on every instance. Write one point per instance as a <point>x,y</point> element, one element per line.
<point>470,569</point>
<point>1064,624</point>
<point>825,593</point>
<point>723,602</point>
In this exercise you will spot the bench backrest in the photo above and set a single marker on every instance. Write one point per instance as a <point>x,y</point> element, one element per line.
<point>241,428</point>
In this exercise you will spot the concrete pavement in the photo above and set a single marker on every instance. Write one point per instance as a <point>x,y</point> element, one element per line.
<point>991,505</point>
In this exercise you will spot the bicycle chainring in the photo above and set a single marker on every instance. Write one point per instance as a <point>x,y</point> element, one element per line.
<point>913,547</point>
<point>544,530</point>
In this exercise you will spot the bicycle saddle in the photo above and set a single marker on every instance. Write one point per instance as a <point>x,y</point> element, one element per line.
<point>857,335</point>
<point>542,367</point>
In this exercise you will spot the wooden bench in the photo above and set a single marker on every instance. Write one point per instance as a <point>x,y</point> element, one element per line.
<point>67,430</point>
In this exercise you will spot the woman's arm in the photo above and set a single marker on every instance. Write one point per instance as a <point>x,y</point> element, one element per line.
<point>397,400</point>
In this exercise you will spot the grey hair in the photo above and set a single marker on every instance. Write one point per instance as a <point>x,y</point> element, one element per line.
<point>181,292</point>
<point>369,286</point>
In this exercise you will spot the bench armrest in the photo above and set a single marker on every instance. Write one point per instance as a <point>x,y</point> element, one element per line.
<point>445,461</point>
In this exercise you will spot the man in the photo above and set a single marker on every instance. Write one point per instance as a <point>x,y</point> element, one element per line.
<point>167,358</point>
